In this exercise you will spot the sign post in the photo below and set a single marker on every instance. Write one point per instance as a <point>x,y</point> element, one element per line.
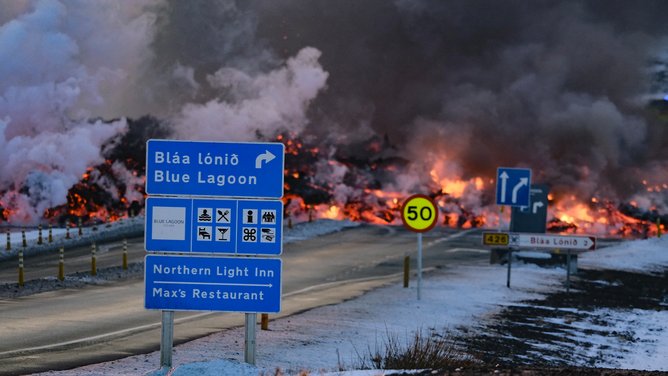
<point>223,220</point>
<point>214,226</point>
<point>521,240</point>
<point>215,169</point>
<point>568,274</point>
<point>513,239</point>
<point>166,339</point>
<point>532,218</point>
<point>419,214</point>
<point>250,337</point>
<point>512,188</point>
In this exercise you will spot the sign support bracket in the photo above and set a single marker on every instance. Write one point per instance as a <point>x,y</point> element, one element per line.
<point>167,339</point>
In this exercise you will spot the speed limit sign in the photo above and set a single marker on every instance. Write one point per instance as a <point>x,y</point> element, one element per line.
<point>419,213</point>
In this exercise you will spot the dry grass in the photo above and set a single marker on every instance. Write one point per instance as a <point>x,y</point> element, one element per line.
<point>424,350</point>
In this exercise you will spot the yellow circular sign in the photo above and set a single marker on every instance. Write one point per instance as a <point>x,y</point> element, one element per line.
<point>419,213</point>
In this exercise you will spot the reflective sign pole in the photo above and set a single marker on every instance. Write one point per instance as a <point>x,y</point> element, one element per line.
<point>419,266</point>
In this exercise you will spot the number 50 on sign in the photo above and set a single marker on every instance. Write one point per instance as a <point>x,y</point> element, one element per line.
<point>419,213</point>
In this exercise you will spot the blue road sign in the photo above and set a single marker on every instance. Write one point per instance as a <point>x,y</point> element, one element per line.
<point>190,283</point>
<point>215,169</point>
<point>512,186</point>
<point>532,218</point>
<point>246,227</point>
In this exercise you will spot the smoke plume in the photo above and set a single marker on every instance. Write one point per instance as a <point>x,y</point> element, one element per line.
<point>436,95</point>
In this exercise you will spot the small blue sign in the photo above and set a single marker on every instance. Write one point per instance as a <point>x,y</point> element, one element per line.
<point>513,186</point>
<point>191,283</point>
<point>215,169</point>
<point>532,218</point>
<point>194,225</point>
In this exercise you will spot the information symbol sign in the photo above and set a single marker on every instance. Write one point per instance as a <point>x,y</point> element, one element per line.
<point>249,216</point>
<point>419,213</point>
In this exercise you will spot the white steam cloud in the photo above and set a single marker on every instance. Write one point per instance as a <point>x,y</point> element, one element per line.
<point>68,63</point>
<point>264,104</point>
<point>62,61</point>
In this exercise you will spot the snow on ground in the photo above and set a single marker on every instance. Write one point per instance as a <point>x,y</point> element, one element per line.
<point>462,297</point>
<point>641,256</point>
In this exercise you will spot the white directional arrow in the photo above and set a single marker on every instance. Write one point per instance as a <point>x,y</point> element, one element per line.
<point>504,178</point>
<point>537,205</point>
<point>523,182</point>
<point>213,284</point>
<point>263,157</point>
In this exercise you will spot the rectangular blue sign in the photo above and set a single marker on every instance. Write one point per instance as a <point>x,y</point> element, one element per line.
<point>196,225</point>
<point>215,169</point>
<point>191,283</point>
<point>513,186</point>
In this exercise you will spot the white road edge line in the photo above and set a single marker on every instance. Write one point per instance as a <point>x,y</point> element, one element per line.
<point>343,282</point>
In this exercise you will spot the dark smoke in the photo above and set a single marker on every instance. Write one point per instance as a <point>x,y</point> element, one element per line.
<point>551,85</point>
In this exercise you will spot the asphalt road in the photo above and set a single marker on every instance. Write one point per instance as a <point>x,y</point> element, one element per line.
<point>68,328</point>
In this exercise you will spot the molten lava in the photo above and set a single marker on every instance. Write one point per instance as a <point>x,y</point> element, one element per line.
<point>363,181</point>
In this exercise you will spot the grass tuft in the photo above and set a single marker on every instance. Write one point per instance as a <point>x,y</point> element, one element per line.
<point>424,350</point>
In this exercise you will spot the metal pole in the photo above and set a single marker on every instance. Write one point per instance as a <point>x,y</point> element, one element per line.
<point>167,339</point>
<point>125,253</point>
<point>249,349</point>
<point>67,227</point>
<point>61,264</point>
<point>407,268</point>
<point>20,267</point>
<point>510,261</point>
<point>39,240</point>
<point>568,273</point>
<point>9,243</point>
<point>500,217</point>
<point>93,266</point>
<point>50,233</point>
<point>80,229</point>
<point>264,321</point>
<point>419,266</point>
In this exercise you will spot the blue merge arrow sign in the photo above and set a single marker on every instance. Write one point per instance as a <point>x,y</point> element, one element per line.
<point>215,169</point>
<point>190,283</point>
<point>513,186</point>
